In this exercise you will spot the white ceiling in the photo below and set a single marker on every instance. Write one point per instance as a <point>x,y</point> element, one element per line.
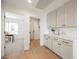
<point>22,3</point>
<point>39,4</point>
<point>44,5</point>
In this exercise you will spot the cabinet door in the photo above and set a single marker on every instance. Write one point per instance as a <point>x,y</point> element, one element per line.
<point>52,44</point>
<point>67,51</point>
<point>48,42</point>
<point>61,17</point>
<point>51,19</point>
<point>55,46</point>
<point>75,12</point>
<point>70,12</point>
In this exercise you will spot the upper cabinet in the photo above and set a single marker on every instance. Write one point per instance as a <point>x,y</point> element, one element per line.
<point>51,19</point>
<point>70,14</point>
<point>63,16</point>
<point>66,15</point>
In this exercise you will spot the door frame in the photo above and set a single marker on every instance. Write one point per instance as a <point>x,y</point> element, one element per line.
<point>29,29</point>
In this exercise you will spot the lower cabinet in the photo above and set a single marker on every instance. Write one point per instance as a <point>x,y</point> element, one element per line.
<point>61,47</point>
<point>56,46</point>
<point>67,49</point>
<point>48,42</point>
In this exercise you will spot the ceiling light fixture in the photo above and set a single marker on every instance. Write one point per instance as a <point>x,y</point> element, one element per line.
<point>29,1</point>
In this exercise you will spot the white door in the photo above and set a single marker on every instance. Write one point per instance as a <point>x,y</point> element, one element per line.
<point>31,29</point>
<point>34,28</point>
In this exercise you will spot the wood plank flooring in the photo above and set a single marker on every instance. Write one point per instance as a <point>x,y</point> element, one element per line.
<point>34,43</point>
<point>35,52</point>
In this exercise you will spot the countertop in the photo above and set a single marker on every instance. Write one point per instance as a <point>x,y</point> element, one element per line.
<point>61,36</point>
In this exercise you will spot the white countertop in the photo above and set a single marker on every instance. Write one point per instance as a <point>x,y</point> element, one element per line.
<point>62,36</point>
<point>64,33</point>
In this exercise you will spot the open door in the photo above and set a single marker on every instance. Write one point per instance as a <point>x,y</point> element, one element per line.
<point>34,30</point>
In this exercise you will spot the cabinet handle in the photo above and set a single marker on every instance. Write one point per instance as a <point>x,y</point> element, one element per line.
<point>66,42</point>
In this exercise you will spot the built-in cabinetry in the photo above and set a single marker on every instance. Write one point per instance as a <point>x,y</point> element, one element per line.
<point>63,16</point>
<point>48,41</point>
<point>70,14</point>
<point>56,46</point>
<point>60,46</point>
<point>51,19</point>
<point>67,48</point>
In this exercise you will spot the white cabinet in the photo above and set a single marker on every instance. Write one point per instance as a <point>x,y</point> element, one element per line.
<point>48,42</point>
<point>62,47</point>
<point>67,50</point>
<point>56,46</point>
<point>70,14</point>
<point>51,19</point>
<point>66,15</point>
<point>61,17</point>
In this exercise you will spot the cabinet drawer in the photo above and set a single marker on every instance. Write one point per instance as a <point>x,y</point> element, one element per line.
<point>67,42</point>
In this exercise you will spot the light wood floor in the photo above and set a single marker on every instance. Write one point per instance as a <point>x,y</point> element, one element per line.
<point>36,52</point>
<point>34,43</point>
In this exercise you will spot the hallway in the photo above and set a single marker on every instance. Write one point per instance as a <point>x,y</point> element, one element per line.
<point>36,52</point>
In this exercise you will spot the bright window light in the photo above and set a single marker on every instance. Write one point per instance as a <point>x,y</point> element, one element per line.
<point>29,1</point>
<point>11,28</point>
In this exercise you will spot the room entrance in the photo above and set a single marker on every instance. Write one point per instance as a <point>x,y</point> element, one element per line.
<point>34,32</point>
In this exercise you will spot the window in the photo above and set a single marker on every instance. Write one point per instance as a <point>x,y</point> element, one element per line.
<point>11,28</point>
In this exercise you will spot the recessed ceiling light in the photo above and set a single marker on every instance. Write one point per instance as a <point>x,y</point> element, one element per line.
<point>29,1</point>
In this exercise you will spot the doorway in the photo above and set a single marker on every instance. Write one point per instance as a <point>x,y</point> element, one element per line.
<point>34,32</point>
<point>14,44</point>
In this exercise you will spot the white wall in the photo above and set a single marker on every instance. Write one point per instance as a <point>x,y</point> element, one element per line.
<point>27,14</point>
<point>43,27</point>
<point>2,33</point>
